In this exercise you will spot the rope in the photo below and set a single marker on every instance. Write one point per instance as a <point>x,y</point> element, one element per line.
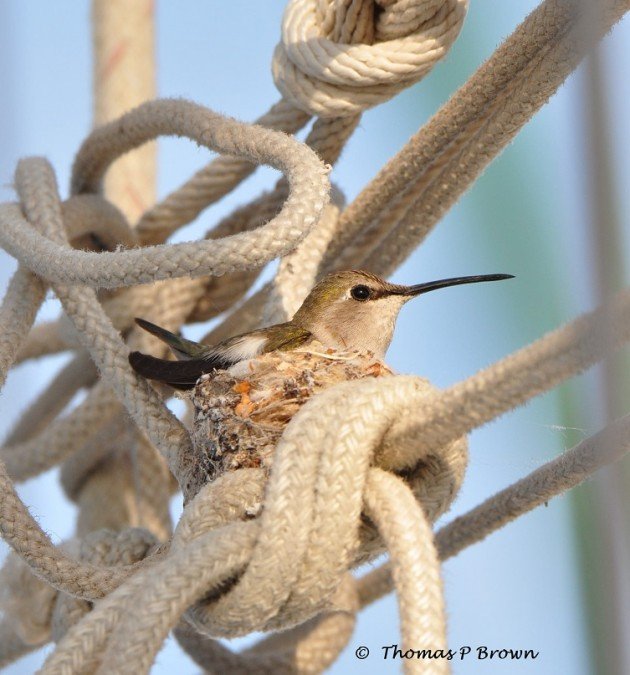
<point>328,78</point>
<point>123,78</point>
<point>79,373</point>
<point>425,179</point>
<point>554,478</point>
<point>306,199</point>
<point>364,467</point>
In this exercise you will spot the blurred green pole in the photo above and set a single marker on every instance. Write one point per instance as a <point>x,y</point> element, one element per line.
<point>603,506</point>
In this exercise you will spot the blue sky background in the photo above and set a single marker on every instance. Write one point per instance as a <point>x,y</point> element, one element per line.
<point>521,588</point>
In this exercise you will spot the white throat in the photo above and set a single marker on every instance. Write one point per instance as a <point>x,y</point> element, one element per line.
<point>370,327</point>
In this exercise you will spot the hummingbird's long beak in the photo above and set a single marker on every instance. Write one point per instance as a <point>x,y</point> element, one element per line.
<point>455,281</point>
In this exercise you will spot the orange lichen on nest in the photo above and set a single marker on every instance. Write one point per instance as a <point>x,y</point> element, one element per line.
<point>240,413</point>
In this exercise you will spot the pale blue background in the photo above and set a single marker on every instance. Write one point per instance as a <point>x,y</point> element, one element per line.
<point>521,587</point>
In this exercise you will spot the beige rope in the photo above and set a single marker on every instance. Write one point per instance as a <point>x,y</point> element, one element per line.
<point>210,560</point>
<point>416,570</point>
<point>34,181</point>
<point>329,79</point>
<point>307,197</point>
<point>308,648</point>
<point>12,645</point>
<point>79,373</point>
<point>212,182</point>
<point>63,437</point>
<point>44,339</point>
<point>195,518</point>
<point>123,78</point>
<point>417,186</point>
<point>100,548</point>
<point>21,531</point>
<point>552,479</point>
<point>24,296</point>
<point>298,271</point>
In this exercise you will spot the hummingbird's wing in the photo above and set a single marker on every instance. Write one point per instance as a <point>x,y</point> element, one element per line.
<point>194,359</point>
<point>285,337</point>
<point>202,359</point>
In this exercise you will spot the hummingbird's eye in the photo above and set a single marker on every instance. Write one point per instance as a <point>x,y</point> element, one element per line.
<point>360,292</point>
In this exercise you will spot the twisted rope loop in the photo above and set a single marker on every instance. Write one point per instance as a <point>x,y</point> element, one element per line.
<point>315,68</point>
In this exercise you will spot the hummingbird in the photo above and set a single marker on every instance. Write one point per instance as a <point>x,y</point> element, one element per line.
<point>348,311</point>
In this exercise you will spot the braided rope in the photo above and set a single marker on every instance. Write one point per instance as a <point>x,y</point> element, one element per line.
<point>329,79</point>
<point>306,199</point>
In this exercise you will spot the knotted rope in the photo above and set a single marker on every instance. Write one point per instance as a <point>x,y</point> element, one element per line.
<point>363,467</point>
<point>315,68</point>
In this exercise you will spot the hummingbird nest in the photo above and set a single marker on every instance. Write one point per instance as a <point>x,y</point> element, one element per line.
<point>241,413</point>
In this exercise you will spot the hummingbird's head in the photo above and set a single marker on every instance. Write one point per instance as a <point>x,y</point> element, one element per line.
<point>357,310</point>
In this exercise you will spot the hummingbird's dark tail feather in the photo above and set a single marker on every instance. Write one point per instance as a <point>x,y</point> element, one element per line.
<point>178,374</point>
<point>181,347</point>
<point>158,331</point>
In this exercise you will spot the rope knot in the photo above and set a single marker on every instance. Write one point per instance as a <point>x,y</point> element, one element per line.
<point>104,548</point>
<point>318,71</point>
<point>292,478</point>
